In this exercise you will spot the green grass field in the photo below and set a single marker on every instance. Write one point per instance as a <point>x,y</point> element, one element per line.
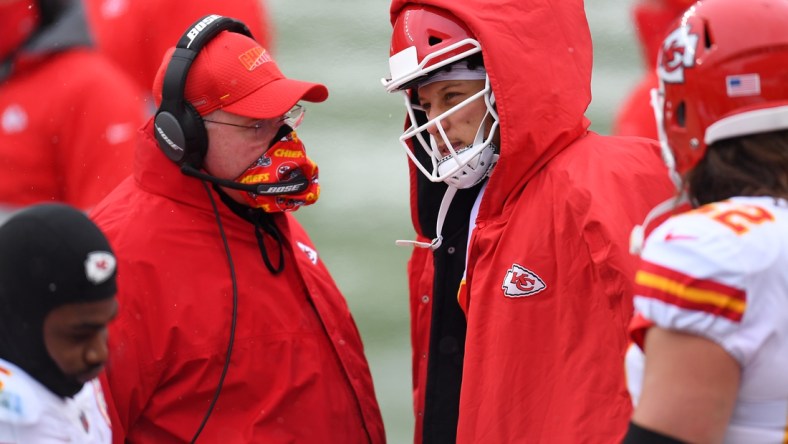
<point>363,170</point>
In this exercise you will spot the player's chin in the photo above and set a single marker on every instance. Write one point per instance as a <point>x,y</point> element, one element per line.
<point>92,373</point>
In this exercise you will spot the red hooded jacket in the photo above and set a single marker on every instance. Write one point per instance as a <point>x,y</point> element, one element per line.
<point>555,218</point>
<point>298,371</point>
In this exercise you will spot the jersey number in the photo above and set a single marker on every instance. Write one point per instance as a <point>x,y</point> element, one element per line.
<point>740,219</point>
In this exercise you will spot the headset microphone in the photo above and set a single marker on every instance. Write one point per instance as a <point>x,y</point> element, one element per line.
<point>286,187</point>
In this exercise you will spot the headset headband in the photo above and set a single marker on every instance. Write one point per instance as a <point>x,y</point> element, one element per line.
<point>178,126</point>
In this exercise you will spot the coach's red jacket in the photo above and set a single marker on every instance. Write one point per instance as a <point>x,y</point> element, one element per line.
<point>548,289</point>
<point>298,372</point>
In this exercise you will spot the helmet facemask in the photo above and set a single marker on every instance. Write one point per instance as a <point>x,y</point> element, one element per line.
<point>426,45</point>
<point>458,166</point>
<point>430,44</point>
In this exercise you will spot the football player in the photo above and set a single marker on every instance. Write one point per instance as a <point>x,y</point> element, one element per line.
<point>57,293</point>
<point>711,293</point>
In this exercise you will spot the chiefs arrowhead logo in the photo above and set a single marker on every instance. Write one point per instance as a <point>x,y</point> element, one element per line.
<point>678,52</point>
<point>310,252</point>
<point>99,266</point>
<point>520,282</point>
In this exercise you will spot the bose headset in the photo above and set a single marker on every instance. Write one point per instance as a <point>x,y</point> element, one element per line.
<point>178,126</point>
<point>182,137</point>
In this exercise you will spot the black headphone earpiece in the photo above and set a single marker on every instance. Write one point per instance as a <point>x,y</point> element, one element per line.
<point>178,126</point>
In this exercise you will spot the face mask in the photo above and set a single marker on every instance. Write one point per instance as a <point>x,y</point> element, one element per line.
<point>18,19</point>
<point>286,160</point>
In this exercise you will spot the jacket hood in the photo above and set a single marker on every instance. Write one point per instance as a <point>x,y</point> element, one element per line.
<point>538,55</point>
<point>63,26</point>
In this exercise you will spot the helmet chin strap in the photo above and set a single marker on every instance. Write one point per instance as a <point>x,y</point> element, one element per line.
<point>476,164</point>
<point>638,235</point>
<point>452,188</point>
<point>657,104</point>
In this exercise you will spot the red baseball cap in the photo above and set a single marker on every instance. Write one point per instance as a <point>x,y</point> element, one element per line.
<point>235,74</point>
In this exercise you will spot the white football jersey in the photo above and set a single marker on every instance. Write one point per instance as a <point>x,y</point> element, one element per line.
<point>721,272</point>
<point>31,414</point>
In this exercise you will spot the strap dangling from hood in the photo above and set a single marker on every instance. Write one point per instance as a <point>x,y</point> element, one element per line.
<point>264,224</point>
<point>448,196</point>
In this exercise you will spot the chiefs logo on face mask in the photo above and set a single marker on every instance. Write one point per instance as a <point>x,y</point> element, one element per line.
<point>284,161</point>
<point>678,52</point>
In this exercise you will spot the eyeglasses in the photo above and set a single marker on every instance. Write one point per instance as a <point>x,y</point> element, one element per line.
<point>292,118</point>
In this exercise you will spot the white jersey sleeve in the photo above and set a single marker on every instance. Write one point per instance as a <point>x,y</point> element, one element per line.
<point>710,272</point>
<point>721,272</point>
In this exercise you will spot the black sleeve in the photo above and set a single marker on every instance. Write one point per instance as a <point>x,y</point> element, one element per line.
<point>639,435</point>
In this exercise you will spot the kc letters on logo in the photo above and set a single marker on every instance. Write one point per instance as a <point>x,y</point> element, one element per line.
<point>678,52</point>
<point>520,282</point>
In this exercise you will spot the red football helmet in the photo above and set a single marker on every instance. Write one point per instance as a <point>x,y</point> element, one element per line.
<point>723,73</point>
<point>425,40</point>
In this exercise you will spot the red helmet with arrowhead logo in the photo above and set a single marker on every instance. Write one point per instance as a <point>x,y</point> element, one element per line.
<point>722,71</point>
